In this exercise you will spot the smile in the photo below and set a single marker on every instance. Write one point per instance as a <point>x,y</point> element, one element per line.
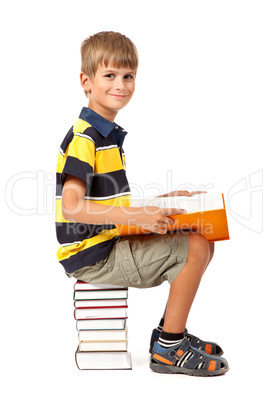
<point>118,96</point>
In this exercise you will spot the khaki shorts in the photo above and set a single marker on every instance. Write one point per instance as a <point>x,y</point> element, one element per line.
<point>140,261</point>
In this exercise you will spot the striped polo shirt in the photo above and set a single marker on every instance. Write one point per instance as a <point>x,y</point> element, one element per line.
<point>92,151</point>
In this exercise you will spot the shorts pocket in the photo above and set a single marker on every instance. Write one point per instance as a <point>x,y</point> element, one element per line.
<point>153,261</point>
<point>125,261</point>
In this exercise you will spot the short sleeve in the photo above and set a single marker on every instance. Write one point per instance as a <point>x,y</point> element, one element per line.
<point>80,160</point>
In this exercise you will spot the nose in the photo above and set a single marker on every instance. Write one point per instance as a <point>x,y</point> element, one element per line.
<point>120,84</point>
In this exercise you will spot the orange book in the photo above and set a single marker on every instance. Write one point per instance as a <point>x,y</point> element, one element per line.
<point>206,214</point>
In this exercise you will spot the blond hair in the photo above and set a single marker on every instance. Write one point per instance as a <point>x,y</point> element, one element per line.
<point>108,47</point>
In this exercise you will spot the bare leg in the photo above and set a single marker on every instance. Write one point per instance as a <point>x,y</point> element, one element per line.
<point>211,252</point>
<point>183,289</point>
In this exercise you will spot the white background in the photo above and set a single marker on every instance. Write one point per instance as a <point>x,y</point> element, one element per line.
<point>200,110</point>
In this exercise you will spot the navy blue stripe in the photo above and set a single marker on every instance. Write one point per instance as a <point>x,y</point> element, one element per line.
<point>108,184</point>
<point>70,232</point>
<point>75,167</point>
<point>102,185</point>
<point>67,140</point>
<point>59,185</point>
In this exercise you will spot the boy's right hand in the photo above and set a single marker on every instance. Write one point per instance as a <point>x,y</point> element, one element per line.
<point>156,219</point>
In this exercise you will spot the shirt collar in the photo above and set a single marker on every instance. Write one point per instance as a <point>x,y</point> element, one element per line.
<point>102,125</point>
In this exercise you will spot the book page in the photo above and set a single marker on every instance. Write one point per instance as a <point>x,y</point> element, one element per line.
<point>196,203</point>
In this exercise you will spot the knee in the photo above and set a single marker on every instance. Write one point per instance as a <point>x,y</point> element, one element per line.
<point>211,250</point>
<point>199,248</point>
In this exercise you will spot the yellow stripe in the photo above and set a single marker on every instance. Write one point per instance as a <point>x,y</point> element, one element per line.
<point>83,149</point>
<point>123,201</point>
<point>65,252</point>
<point>80,126</point>
<point>58,212</point>
<point>61,161</point>
<point>108,160</point>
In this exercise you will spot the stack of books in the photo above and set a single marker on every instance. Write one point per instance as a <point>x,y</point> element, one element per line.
<point>101,317</point>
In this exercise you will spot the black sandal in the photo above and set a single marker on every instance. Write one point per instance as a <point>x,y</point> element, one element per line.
<point>185,359</point>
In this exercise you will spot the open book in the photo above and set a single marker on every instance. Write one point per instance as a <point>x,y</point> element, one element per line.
<point>205,214</point>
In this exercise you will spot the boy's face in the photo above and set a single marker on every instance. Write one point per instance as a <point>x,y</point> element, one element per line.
<point>110,90</point>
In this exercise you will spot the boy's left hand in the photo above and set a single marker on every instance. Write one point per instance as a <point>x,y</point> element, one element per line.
<point>182,193</point>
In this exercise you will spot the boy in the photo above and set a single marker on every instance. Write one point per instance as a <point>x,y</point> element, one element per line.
<point>93,196</point>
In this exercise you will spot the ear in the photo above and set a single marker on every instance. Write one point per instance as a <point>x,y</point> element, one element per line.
<point>85,81</point>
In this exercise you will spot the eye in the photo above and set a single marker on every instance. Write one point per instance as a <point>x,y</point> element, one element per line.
<point>128,77</point>
<point>110,75</point>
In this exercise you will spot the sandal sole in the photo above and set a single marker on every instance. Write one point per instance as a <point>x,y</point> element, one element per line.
<point>165,369</point>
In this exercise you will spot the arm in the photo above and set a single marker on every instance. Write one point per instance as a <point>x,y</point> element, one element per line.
<point>76,208</point>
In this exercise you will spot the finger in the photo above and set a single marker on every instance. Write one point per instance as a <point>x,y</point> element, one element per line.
<point>168,221</point>
<point>163,229</point>
<point>173,211</point>
<point>195,192</point>
<point>159,229</point>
